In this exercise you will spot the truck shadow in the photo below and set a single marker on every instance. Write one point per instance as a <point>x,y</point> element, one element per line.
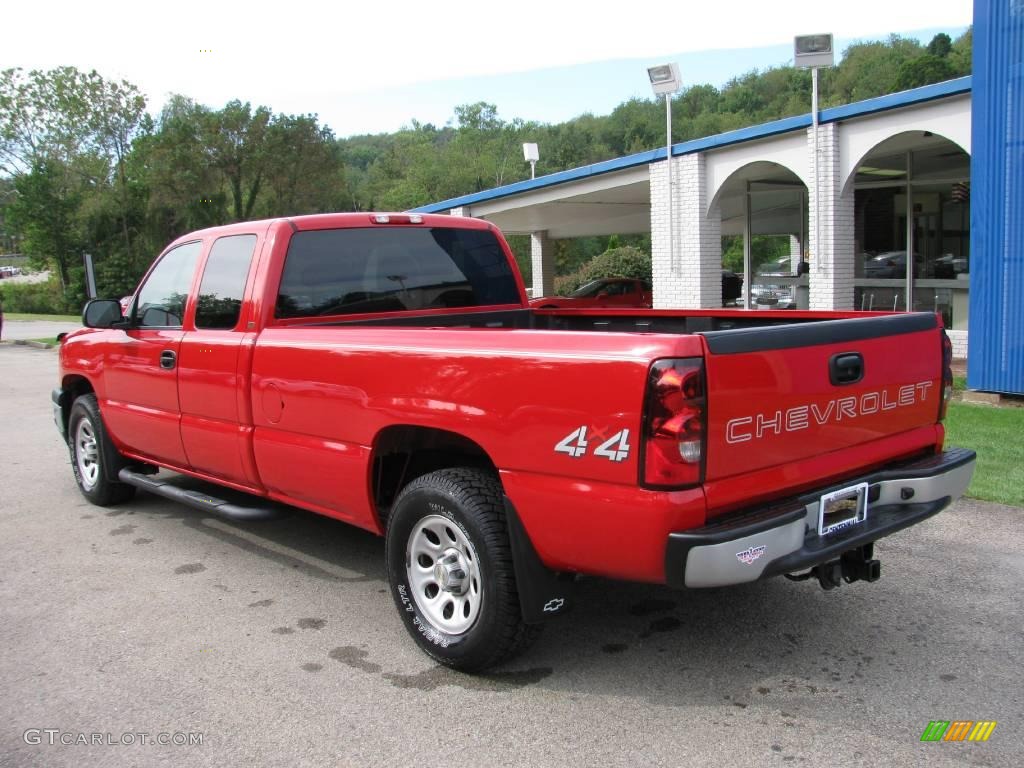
<point>771,641</point>
<point>318,546</point>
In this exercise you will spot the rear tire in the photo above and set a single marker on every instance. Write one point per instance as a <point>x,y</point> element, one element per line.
<point>90,450</point>
<point>451,573</point>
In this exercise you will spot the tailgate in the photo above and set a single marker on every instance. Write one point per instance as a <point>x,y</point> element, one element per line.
<point>785,394</point>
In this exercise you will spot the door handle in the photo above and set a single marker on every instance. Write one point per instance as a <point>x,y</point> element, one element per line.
<point>168,359</point>
<point>846,368</point>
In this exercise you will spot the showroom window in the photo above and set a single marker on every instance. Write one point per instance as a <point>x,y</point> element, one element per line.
<point>912,228</point>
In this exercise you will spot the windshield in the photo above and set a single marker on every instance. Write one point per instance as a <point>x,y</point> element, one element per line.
<point>589,290</point>
<point>782,266</point>
<point>890,257</point>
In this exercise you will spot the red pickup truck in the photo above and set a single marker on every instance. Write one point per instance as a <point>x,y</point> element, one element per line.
<point>387,370</point>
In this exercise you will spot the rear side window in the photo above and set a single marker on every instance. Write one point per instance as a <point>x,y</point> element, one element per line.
<point>161,300</point>
<point>348,271</point>
<point>220,294</point>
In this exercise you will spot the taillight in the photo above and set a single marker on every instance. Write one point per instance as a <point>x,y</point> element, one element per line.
<point>675,420</point>
<point>947,375</point>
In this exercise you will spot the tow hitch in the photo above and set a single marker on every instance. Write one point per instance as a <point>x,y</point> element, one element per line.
<point>854,565</point>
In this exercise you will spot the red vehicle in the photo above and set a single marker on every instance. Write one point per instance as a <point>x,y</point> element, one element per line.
<point>606,292</point>
<point>626,292</point>
<point>386,370</point>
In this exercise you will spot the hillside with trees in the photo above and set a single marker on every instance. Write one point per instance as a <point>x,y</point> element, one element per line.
<point>87,167</point>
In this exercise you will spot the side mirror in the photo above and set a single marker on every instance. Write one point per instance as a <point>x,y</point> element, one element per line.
<point>102,313</point>
<point>602,295</point>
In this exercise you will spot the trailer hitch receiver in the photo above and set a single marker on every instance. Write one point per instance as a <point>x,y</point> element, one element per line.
<point>853,565</point>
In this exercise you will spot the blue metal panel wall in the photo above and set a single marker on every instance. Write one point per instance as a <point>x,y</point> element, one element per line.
<point>996,344</point>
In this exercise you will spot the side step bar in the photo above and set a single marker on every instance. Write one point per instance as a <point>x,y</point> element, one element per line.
<point>176,488</point>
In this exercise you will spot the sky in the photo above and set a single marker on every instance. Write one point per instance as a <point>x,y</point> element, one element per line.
<point>373,68</point>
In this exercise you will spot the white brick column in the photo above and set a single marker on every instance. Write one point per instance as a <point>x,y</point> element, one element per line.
<point>542,257</point>
<point>461,211</point>
<point>959,341</point>
<point>695,280</point>
<point>832,260</point>
<point>794,251</point>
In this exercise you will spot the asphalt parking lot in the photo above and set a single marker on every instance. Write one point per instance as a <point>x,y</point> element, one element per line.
<point>277,642</point>
<point>35,329</point>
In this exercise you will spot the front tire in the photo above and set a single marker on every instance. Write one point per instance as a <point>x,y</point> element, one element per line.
<point>451,573</point>
<point>90,449</point>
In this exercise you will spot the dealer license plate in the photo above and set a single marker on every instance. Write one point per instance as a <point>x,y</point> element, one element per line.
<point>842,509</point>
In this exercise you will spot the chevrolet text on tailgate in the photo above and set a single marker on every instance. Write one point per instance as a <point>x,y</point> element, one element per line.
<point>386,370</point>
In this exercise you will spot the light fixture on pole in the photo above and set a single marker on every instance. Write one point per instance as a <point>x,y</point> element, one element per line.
<point>813,52</point>
<point>665,81</point>
<point>531,155</point>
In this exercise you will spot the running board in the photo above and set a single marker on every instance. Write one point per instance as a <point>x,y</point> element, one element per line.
<point>190,491</point>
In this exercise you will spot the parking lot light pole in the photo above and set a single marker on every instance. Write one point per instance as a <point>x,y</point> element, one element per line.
<point>531,155</point>
<point>814,52</point>
<point>665,81</point>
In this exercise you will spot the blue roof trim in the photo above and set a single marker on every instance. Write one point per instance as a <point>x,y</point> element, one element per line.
<point>896,100</point>
<point>573,174</point>
<point>761,131</point>
<point>857,109</point>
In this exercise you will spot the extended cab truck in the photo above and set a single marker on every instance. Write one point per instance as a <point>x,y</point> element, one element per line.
<point>386,370</point>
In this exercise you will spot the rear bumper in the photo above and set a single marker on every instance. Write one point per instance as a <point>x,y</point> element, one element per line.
<point>783,537</point>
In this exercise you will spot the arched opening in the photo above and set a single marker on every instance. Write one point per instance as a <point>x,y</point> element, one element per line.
<point>764,234</point>
<point>912,196</point>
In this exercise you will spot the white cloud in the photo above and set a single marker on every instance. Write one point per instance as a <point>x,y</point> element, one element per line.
<point>309,52</point>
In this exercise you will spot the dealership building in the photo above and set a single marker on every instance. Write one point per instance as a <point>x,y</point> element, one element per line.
<point>880,204</point>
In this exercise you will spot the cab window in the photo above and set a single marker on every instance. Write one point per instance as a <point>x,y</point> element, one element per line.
<point>161,300</point>
<point>349,271</point>
<point>220,294</point>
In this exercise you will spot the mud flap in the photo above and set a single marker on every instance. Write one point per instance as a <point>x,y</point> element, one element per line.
<point>543,593</point>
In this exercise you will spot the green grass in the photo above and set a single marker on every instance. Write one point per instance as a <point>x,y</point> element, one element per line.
<point>51,340</point>
<point>995,433</point>
<point>51,318</point>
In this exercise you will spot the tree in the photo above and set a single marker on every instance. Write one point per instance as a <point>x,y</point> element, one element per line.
<point>941,45</point>
<point>923,70</point>
<point>185,190</point>
<point>235,141</point>
<point>960,54</point>
<point>634,126</point>
<point>486,144</point>
<point>871,69</point>
<point>83,166</point>
<point>43,116</point>
<point>65,139</point>
<point>45,212</point>
<point>209,167</point>
<point>617,261</point>
<point>116,116</point>
<point>304,173</point>
<point>408,171</point>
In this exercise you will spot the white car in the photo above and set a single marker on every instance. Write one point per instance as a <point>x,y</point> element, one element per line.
<point>766,294</point>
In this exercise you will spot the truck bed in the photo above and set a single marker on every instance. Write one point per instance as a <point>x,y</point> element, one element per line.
<point>609,320</point>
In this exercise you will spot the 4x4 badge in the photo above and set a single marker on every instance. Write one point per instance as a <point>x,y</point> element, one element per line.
<point>748,556</point>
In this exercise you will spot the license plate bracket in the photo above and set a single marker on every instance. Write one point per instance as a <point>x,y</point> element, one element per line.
<point>842,509</point>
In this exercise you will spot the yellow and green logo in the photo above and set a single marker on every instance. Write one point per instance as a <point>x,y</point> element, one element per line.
<point>958,730</point>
